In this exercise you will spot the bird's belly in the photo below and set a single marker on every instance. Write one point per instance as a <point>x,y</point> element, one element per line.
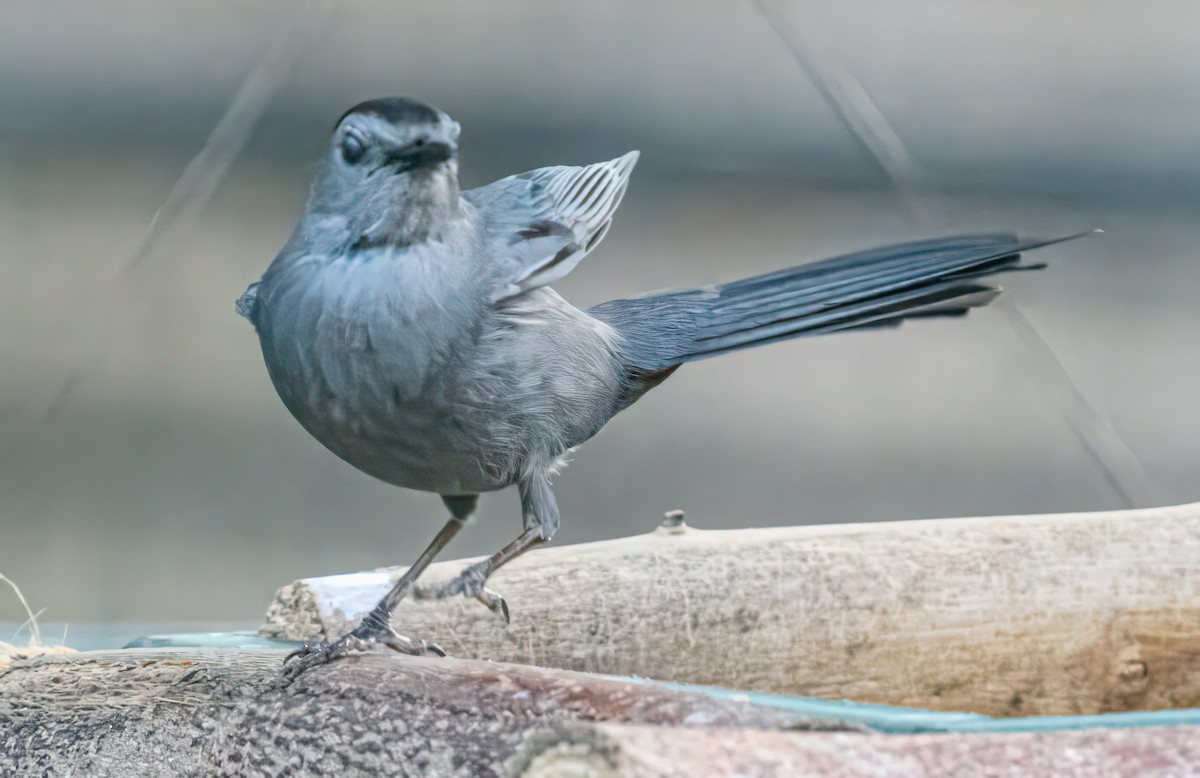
<point>417,444</point>
<point>419,441</point>
<point>372,376</point>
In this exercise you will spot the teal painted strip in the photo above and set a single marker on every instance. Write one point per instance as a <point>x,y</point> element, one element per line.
<point>1184,717</point>
<point>245,639</point>
<point>898,720</point>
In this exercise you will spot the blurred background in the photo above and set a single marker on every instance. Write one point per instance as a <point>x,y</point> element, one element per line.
<point>149,473</point>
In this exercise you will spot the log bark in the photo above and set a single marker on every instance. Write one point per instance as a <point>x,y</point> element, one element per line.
<point>1008,616</point>
<point>203,712</point>
<point>222,713</point>
<point>609,751</point>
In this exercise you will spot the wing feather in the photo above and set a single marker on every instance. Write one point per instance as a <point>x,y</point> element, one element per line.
<point>539,225</point>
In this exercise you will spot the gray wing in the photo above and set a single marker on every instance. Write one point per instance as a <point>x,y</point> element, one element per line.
<point>539,225</point>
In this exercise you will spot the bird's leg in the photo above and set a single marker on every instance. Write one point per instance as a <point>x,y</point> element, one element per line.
<point>375,628</point>
<point>540,514</point>
<point>471,581</point>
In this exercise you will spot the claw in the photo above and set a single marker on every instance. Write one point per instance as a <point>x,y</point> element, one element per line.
<point>397,642</point>
<point>304,649</point>
<point>495,603</point>
<point>468,583</point>
<point>310,656</point>
<point>359,641</point>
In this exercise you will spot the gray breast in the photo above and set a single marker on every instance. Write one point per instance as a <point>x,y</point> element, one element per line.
<point>365,352</point>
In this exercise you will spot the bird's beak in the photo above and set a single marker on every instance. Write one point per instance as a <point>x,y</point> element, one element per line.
<point>425,150</point>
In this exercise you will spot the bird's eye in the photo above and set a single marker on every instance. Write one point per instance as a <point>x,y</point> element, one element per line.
<point>353,149</point>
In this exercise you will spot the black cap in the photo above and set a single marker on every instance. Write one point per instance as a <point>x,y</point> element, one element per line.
<point>397,110</point>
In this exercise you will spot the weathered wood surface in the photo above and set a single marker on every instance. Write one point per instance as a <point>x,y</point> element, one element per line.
<point>1057,614</point>
<point>622,751</point>
<point>208,712</point>
<point>200,712</point>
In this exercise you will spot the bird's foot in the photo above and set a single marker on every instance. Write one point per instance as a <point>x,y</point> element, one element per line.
<point>469,583</point>
<point>366,637</point>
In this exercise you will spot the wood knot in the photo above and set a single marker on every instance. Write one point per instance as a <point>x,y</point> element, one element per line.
<point>672,523</point>
<point>1133,671</point>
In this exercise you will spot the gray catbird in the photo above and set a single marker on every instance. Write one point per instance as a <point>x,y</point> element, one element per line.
<point>412,330</point>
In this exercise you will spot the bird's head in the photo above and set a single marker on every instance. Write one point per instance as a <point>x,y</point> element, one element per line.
<point>392,136</point>
<point>389,153</point>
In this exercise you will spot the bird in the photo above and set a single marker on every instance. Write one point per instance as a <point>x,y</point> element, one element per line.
<point>411,327</point>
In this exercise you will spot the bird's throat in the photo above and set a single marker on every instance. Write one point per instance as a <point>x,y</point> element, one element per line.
<point>415,207</point>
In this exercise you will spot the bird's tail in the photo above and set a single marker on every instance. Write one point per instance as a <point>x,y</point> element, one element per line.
<point>876,288</point>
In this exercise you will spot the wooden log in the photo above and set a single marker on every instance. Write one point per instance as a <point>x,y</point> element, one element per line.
<point>1057,614</point>
<point>204,712</point>
<point>209,712</point>
<point>608,751</point>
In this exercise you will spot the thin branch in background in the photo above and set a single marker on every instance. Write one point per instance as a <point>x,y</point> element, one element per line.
<point>861,117</point>
<point>1120,466</point>
<point>192,190</point>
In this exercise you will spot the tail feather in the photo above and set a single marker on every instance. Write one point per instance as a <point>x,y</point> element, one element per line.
<point>953,296</point>
<point>861,270</point>
<point>876,288</point>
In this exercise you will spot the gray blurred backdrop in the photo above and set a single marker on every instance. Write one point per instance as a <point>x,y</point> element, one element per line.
<point>170,484</point>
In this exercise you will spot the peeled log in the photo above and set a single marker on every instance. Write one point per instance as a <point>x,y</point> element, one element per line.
<point>1030,615</point>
